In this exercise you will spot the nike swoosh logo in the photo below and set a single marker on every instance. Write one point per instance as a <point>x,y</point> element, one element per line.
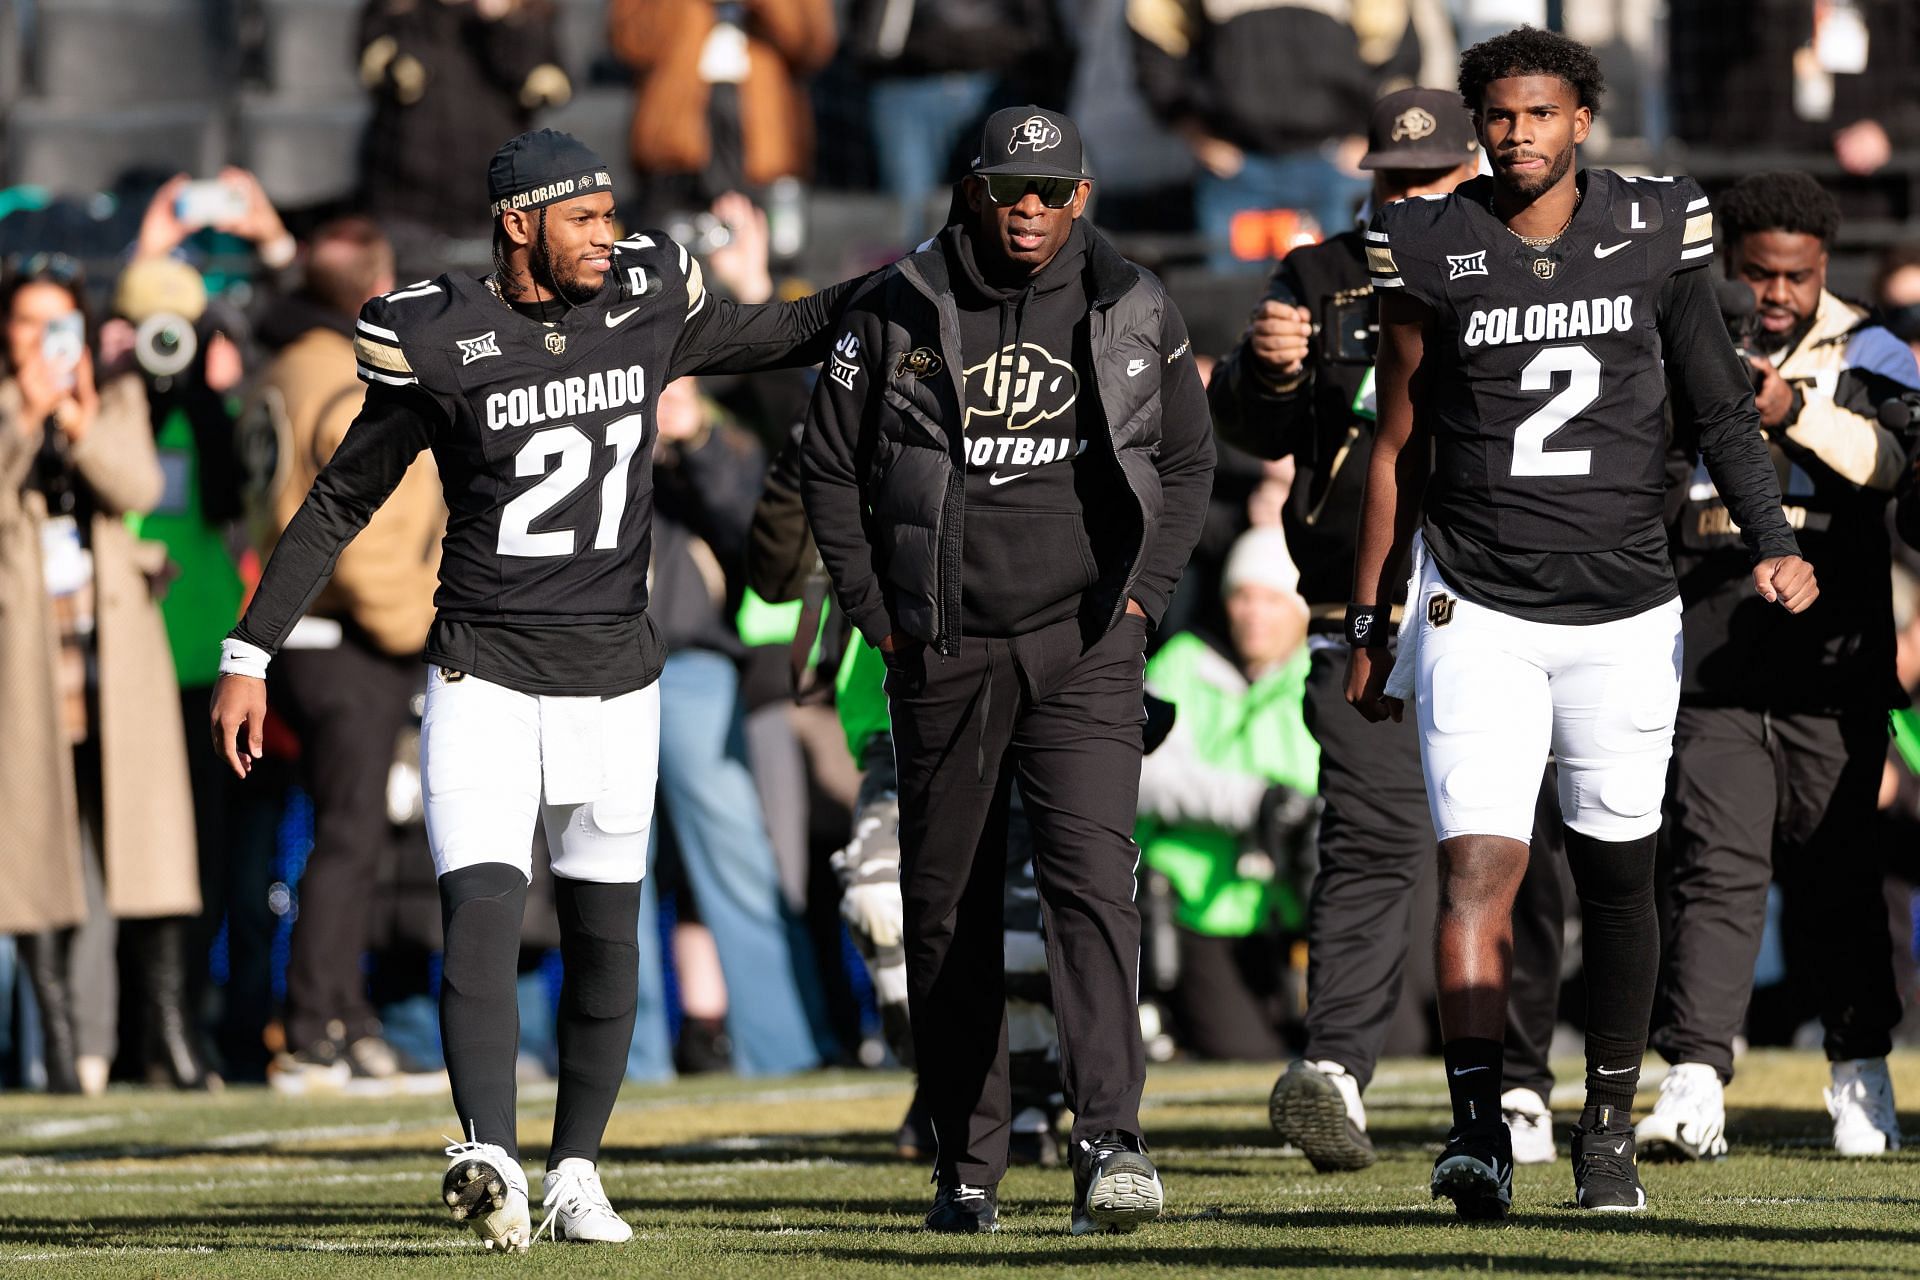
<point>1467,1071</point>
<point>1607,251</point>
<point>617,318</point>
<point>997,478</point>
<point>1136,367</point>
<point>1620,1149</point>
<point>1622,1071</point>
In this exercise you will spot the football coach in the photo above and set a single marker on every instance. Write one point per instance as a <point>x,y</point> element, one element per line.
<point>1006,468</point>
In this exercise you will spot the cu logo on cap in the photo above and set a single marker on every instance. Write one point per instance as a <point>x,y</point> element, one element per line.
<point>1414,124</point>
<point>1036,133</point>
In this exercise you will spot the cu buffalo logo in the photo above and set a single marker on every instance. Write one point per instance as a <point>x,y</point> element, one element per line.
<point>1016,389</point>
<point>1439,609</point>
<point>1036,134</point>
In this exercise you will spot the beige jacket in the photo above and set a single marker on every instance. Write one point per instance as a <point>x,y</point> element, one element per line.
<point>385,578</point>
<point>151,862</point>
<point>1855,445</point>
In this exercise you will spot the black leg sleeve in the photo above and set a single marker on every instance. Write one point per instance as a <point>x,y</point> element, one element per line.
<point>599,947</point>
<point>1622,940</point>
<point>481,907</point>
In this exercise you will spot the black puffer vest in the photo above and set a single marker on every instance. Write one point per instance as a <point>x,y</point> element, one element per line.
<point>916,482</point>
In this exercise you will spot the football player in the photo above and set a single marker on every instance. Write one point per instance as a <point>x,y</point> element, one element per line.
<point>1544,316</point>
<point>535,388</point>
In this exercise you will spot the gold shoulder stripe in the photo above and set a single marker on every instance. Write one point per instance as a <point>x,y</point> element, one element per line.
<point>1699,227</point>
<point>696,284</point>
<point>380,355</point>
<point>1380,261</point>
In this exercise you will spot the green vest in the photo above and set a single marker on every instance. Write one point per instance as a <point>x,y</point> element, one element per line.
<point>203,602</point>
<point>1256,729</point>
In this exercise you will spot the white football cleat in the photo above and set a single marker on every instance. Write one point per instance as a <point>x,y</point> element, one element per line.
<point>1531,1124</point>
<point>1861,1104</point>
<point>577,1206</point>
<point>1689,1122</point>
<point>485,1188</point>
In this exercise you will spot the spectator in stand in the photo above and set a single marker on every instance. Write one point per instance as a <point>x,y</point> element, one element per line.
<point>707,474</point>
<point>1781,740</point>
<point>351,666</point>
<point>1226,804</point>
<point>1213,80</point>
<point>1798,75</point>
<point>449,79</point>
<point>720,102</point>
<point>1896,289</point>
<point>96,819</point>
<point>192,395</point>
<point>936,69</point>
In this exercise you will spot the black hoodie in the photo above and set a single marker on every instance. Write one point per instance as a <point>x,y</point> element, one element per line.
<point>1039,468</point>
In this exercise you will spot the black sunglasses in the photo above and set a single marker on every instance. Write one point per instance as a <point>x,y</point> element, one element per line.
<point>56,267</point>
<point>1009,189</point>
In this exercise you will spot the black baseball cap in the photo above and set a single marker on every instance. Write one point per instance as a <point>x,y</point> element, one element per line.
<point>543,167</point>
<point>1420,129</point>
<point>1031,142</point>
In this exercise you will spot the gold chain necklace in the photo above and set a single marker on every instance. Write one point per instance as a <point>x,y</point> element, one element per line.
<point>1541,242</point>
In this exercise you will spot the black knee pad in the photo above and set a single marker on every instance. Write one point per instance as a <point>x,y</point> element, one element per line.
<point>599,945</point>
<point>481,908</point>
<point>1611,871</point>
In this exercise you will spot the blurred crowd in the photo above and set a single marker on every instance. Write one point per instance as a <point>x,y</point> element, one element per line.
<point>160,422</point>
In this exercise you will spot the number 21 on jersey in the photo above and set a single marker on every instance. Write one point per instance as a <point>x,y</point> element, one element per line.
<point>1531,457</point>
<point>575,452</point>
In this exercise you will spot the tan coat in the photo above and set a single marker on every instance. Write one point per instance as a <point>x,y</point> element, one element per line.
<point>150,858</point>
<point>662,41</point>
<point>385,578</point>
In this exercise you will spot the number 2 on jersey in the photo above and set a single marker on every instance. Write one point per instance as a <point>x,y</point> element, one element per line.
<point>575,451</point>
<point>1530,454</point>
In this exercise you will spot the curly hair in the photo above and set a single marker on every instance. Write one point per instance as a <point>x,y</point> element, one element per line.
<point>1786,201</point>
<point>1529,51</point>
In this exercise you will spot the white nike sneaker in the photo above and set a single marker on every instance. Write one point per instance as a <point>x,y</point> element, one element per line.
<point>1531,1123</point>
<point>1689,1122</point>
<point>1861,1104</point>
<point>577,1206</point>
<point>485,1188</point>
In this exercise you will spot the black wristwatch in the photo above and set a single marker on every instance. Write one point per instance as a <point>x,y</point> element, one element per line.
<point>1369,626</point>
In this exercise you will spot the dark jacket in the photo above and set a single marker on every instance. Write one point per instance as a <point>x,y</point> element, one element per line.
<point>1313,418</point>
<point>883,481</point>
<point>448,86</point>
<point>1275,76</point>
<point>703,503</point>
<point>929,37</point>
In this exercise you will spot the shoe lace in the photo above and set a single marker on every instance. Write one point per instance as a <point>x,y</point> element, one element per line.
<point>1597,1156</point>
<point>1684,1088</point>
<point>1867,1098</point>
<point>572,1192</point>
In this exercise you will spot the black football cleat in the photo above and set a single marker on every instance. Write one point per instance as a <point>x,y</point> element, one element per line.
<point>1476,1173</point>
<point>1606,1171</point>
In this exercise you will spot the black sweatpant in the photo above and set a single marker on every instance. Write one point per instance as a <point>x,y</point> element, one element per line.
<point>348,704</point>
<point>1066,722</point>
<point>1376,845</point>
<point>1747,787</point>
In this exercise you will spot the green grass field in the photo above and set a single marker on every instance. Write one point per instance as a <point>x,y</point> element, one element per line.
<point>736,1178</point>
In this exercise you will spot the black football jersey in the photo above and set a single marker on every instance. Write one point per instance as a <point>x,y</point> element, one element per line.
<point>1543,382</point>
<point>543,434</point>
<point>545,438</point>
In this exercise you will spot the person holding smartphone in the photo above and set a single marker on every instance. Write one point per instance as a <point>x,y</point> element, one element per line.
<point>87,692</point>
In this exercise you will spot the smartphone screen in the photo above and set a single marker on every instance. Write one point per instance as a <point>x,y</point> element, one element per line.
<point>61,346</point>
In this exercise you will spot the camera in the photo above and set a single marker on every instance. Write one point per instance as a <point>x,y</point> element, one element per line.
<point>165,344</point>
<point>701,233</point>
<point>1349,328</point>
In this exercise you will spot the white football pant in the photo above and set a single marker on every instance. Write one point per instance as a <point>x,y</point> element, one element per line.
<point>493,761</point>
<point>1495,694</point>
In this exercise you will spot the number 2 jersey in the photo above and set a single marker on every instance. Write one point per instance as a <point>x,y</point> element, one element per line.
<point>543,435</point>
<point>1545,383</point>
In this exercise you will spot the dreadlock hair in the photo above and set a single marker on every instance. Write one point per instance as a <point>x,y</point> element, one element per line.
<point>1785,201</point>
<point>1529,51</point>
<point>541,259</point>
